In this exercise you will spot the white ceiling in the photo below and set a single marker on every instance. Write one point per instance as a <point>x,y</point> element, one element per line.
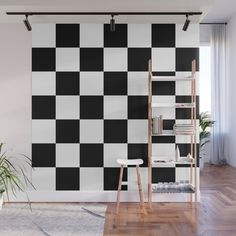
<point>213,10</point>
<point>221,11</point>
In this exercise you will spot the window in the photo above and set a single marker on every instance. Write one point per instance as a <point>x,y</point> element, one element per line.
<point>205,78</point>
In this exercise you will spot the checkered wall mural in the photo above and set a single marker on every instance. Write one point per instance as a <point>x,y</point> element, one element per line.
<point>89,101</point>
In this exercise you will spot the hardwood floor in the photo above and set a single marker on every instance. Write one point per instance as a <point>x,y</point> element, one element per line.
<point>214,216</point>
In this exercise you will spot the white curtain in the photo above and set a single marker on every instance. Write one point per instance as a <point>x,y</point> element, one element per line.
<point>219,91</point>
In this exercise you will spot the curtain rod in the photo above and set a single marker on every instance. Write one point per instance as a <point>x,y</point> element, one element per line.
<point>103,13</point>
<point>220,23</point>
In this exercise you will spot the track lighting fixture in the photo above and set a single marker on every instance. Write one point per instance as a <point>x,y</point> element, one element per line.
<point>27,24</point>
<point>186,23</point>
<point>112,24</point>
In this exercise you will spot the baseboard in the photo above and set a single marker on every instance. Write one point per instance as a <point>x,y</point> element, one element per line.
<point>108,196</point>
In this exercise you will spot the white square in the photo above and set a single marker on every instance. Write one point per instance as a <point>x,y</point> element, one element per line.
<point>67,155</point>
<point>91,179</point>
<point>182,173</point>
<point>166,112</point>
<point>132,179</point>
<point>183,139</point>
<point>91,83</point>
<point>137,83</point>
<point>112,152</point>
<point>184,87</point>
<point>139,35</point>
<point>115,107</point>
<point>163,151</point>
<point>137,131</point>
<point>67,59</point>
<point>163,99</point>
<point>163,59</point>
<point>91,35</point>
<point>43,35</point>
<point>115,59</point>
<point>189,38</point>
<point>44,179</point>
<point>43,83</point>
<point>67,107</point>
<point>91,131</point>
<point>43,131</point>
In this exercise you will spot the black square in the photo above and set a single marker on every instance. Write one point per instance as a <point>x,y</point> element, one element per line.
<point>184,57</point>
<point>117,38</point>
<point>138,151</point>
<point>91,155</point>
<point>137,107</point>
<point>115,83</point>
<point>67,83</point>
<point>43,107</point>
<point>91,107</point>
<point>138,59</point>
<point>115,131</point>
<point>67,35</point>
<point>182,113</point>
<point>163,175</point>
<point>67,179</point>
<point>111,178</point>
<point>67,131</point>
<point>163,88</point>
<point>43,59</point>
<point>185,149</point>
<point>91,59</point>
<point>163,139</point>
<point>43,155</point>
<point>163,73</point>
<point>168,124</point>
<point>163,35</point>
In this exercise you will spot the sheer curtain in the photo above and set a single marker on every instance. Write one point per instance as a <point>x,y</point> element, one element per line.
<point>219,94</point>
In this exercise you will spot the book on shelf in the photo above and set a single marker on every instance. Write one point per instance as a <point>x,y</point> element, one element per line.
<point>183,129</point>
<point>157,125</point>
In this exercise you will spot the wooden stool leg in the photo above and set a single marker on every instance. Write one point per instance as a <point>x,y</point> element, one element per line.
<point>140,188</point>
<point>119,189</point>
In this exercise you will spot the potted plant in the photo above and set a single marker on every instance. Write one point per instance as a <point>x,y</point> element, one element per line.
<point>205,124</point>
<point>12,174</point>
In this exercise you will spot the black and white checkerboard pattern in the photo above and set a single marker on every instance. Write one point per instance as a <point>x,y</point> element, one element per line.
<point>89,101</point>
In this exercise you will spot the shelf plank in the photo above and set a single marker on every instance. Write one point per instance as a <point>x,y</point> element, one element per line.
<point>171,163</point>
<point>164,133</point>
<point>173,105</point>
<point>172,78</point>
<point>187,190</point>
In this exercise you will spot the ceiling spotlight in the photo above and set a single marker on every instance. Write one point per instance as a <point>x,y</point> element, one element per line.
<point>27,24</point>
<point>186,23</point>
<point>112,24</point>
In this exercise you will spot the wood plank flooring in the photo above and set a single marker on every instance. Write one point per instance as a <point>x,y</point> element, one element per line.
<point>214,216</point>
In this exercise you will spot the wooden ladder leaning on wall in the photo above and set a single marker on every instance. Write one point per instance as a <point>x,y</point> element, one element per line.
<point>193,122</point>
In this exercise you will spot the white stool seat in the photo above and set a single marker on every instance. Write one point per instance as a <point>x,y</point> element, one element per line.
<point>130,162</point>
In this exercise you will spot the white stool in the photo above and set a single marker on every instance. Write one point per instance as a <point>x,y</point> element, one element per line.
<point>125,162</point>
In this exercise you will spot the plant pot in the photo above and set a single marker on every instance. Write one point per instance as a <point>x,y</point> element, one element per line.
<point>1,201</point>
<point>201,164</point>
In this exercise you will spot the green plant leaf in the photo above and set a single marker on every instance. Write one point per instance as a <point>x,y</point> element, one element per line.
<point>12,175</point>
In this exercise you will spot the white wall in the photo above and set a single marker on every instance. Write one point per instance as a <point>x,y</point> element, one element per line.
<point>231,39</point>
<point>15,88</point>
<point>205,34</point>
